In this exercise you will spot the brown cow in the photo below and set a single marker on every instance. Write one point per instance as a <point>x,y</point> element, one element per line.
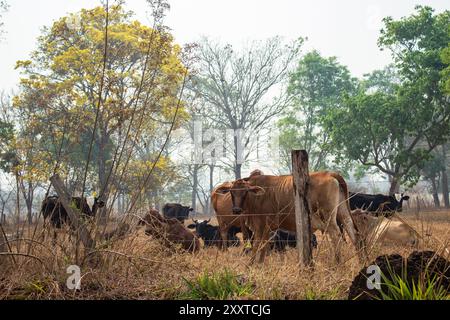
<point>383,230</point>
<point>268,203</point>
<point>170,231</point>
<point>222,205</point>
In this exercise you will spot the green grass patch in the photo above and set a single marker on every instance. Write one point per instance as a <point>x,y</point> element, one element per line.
<point>217,286</point>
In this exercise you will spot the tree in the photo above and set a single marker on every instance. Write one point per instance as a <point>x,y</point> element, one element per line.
<point>315,86</point>
<point>432,172</point>
<point>417,43</point>
<point>236,89</point>
<point>100,78</point>
<point>445,57</point>
<point>394,126</point>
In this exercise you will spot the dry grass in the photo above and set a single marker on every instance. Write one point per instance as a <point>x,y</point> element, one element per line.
<point>138,267</point>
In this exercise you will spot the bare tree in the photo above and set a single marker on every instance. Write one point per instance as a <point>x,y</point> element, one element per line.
<point>5,197</point>
<point>238,88</point>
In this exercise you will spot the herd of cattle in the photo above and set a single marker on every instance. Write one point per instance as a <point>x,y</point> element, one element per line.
<point>261,208</point>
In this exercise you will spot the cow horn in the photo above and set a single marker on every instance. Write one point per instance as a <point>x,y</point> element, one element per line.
<point>209,220</point>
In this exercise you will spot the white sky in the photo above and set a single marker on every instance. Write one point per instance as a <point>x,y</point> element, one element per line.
<point>347,29</point>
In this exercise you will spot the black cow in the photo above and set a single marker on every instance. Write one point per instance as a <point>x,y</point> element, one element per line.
<point>281,238</point>
<point>377,204</point>
<point>211,234</point>
<point>176,211</point>
<point>53,209</point>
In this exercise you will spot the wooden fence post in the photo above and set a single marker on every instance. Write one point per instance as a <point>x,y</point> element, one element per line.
<point>74,217</point>
<point>300,175</point>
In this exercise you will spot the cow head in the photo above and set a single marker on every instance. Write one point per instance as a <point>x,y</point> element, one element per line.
<point>393,204</point>
<point>177,211</point>
<point>400,205</point>
<point>99,203</point>
<point>183,213</point>
<point>240,190</point>
<point>200,226</point>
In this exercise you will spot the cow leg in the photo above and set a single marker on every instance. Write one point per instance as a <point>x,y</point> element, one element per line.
<point>264,244</point>
<point>256,243</point>
<point>261,237</point>
<point>223,229</point>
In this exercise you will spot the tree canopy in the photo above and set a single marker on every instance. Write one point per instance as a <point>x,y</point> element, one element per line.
<point>394,125</point>
<point>99,74</point>
<point>315,87</point>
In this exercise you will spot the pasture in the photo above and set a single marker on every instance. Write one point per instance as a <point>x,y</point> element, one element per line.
<point>124,123</point>
<point>139,267</point>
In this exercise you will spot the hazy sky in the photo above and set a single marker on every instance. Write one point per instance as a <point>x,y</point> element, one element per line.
<point>347,29</point>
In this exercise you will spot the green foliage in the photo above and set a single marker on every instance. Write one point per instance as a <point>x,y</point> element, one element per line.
<point>397,287</point>
<point>7,154</point>
<point>221,285</point>
<point>61,84</point>
<point>332,294</point>
<point>316,86</point>
<point>433,167</point>
<point>399,114</point>
<point>445,57</point>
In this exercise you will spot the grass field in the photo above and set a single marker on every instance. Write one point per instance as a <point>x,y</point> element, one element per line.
<point>138,267</point>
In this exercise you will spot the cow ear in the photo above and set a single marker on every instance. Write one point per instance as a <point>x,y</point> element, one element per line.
<point>191,226</point>
<point>405,198</point>
<point>257,191</point>
<point>191,209</point>
<point>222,190</point>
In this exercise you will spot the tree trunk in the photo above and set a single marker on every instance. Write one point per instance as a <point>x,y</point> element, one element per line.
<point>3,215</point>
<point>28,195</point>
<point>395,185</point>
<point>194,186</point>
<point>211,187</point>
<point>238,154</point>
<point>29,202</point>
<point>119,202</point>
<point>17,204</point>
<point>102,173</point>
<point>445,179</point>
<point>435,192</point>
<point>29,211</point>
<point>237,171</point>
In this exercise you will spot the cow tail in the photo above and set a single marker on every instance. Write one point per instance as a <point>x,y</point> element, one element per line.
<point>344,188</point>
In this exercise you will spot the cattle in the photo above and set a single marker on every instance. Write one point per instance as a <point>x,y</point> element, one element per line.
<point>266,203</point>
<point>383,230</point>
<point>280,239</point>
<point>176,211</point>
<point>53,209</point>
<point>222,205</point>
<point>211,234</point>
<point>377,204</point>
<point>169,231</point>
